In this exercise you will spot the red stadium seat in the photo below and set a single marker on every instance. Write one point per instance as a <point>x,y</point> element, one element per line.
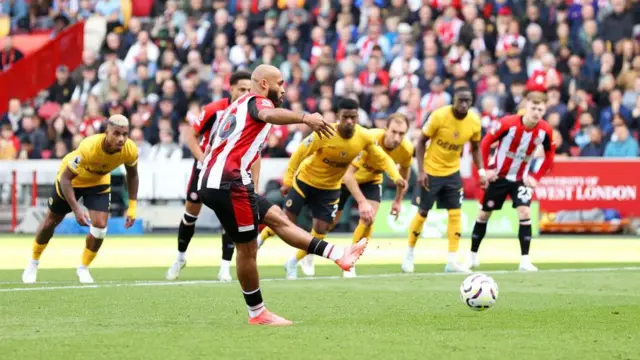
<point>141,8</point>
<point>574,151</point>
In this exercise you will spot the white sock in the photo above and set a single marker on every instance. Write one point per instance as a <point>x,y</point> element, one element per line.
<point>333,252</point>
<point>525,259</point>
<point>182,256</point>
<point>255,311</point>
<point>452,257</point>
<point>410,251</point>
<point>225,265</point>
<point>82,267</point>
<point>34,262</point>
<point>474,256</point>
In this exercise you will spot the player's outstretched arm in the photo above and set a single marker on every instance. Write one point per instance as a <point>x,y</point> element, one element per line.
<point>192,142</point>
<point>421,150</point>
<point>476,154</point>
<point>307,147</point>
<point>255,173</point>
<point>67,191</point>
<point>547,164</point>
<point>378,156</point>
<point>285,117</point>
<point>364,208</point>
<point>396,206</point>
<point>132,187</point>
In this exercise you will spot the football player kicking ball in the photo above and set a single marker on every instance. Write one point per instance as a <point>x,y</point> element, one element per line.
<point>518,137</point>
<point>315,172</point>
<point>86,173</point>
<point>227,188</point>
<point>448,128</point>
<point>240,84</point>
<point>363,180</point>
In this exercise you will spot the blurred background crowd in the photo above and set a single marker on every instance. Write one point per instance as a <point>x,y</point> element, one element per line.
<point>392,55</point>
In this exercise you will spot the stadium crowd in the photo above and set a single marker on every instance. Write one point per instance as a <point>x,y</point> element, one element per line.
<point>392,55</point>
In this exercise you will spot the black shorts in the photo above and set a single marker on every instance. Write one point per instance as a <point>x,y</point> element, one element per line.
<point>370,191</point>
<point>497,193</point>
<point>239,209</point>
<point>192,186</point>
<point>322,203</point>
<point>97,198</point>
<point>446,190</point>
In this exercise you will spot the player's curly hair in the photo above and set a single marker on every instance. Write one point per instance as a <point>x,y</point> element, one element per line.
<point>348,104</point>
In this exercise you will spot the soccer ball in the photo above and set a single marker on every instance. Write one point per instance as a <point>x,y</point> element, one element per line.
<point>479,292</point>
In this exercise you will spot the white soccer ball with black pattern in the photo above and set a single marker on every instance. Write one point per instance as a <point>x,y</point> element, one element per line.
<point>479,292</point>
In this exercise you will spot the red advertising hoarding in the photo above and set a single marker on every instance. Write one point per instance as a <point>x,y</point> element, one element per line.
<point>584,183</point>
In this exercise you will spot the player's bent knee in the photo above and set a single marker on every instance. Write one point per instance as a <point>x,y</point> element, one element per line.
<point>423,213</point>
<point>276,218</point>
<point>524,213</point>
<point>192,208</point>
<point>97,232</point>
<point>483,216</point>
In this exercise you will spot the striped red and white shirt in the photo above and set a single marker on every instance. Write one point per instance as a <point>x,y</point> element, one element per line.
<point>516,146</point>
<point>236,143</point>
<point>208,122</point>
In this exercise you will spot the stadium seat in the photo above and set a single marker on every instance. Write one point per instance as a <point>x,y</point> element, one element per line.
<point>142,8</point>
<point>574,151</point>
<point>5,26</point>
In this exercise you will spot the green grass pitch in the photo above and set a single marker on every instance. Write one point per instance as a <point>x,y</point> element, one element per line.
<point>584,304</point>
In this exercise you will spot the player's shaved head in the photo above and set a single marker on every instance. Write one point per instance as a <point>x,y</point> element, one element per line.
<point>266,80</point>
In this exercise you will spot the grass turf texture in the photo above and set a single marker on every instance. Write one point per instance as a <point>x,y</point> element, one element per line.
<point>383,314</point>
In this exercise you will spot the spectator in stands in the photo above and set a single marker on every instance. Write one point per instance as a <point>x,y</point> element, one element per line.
<point>621,144</point>
<point>9,143</point>
<point>166,149</point>
<point>32,138</point>
<point>18,10</point>
<point>110,10</point>
<point>9,55</point>
<point>562,148</point>
<point>14,116</point>
<point>57,131</point>
<point>631,95</point>
<point>144,147</point>
<point>595,147</point>
<point>62,90</point>
<point>614,109</point>
<point>60,149</point>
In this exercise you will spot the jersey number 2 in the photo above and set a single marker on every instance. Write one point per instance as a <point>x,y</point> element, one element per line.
<point>525,194</point>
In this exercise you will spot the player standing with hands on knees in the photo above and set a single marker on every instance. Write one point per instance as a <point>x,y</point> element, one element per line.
<point>518,137</point>
<point>86,173</point>
<point>449,128</point>
<point>226,185</point>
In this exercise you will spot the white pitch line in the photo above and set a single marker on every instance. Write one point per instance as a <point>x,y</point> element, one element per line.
<point>107,284</point>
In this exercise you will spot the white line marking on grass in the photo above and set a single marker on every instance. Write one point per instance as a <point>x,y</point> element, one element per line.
<point>113,284</point>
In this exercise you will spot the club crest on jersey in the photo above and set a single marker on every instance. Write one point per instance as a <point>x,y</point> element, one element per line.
<point>343,154</point>
<point>75,162</point>
<point>456,134</point>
